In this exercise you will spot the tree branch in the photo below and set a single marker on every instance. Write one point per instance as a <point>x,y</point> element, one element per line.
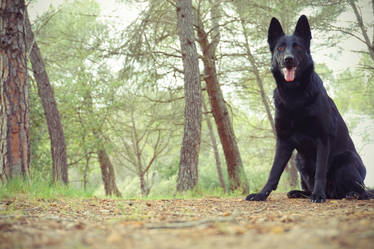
<point>363,28</point>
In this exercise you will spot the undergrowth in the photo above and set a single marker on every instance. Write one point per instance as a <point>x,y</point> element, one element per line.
<point>40,189</point>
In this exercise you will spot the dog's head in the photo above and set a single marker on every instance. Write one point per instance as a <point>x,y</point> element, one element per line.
<point>291,57</point>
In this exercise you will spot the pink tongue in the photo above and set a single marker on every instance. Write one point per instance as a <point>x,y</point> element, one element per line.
<point>289,74</point>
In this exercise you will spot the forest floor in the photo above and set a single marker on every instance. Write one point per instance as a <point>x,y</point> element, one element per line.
<point>210,222</point>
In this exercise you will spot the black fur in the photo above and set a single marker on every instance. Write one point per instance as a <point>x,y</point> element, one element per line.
<point>306,119</point>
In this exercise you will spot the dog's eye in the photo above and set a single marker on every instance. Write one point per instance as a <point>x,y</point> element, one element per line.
<point>297,46</point>
<point>280,49</point>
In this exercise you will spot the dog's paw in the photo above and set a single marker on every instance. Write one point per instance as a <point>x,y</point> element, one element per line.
<point>352,196</point>
<point>318,197</point>
<point>357,196</point>
<point>256,197</point>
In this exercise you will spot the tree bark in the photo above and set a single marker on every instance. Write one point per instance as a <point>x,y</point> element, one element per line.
<point>292,172</point>
<point>188,172</point>
<point>14,97</point>
<point>215,148</point>
<point>107,173</point>
<point>237,177</point>
<point>106,166</point>
<point>143,186</point>
<point>85,172</point>
<point>45,91</point>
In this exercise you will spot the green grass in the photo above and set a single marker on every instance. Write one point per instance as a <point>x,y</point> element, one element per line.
<point>40,189</point>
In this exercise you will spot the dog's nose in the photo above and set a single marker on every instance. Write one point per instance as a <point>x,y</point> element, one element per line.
<point>288,60</point>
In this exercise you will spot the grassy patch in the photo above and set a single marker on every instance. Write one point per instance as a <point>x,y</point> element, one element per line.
<point>40,189</point>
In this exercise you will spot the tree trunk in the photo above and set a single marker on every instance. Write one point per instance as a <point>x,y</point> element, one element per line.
<point>107,169</point>
<point>292,172</point>
<point>107,172</point>
<point>45,91</point>
<point>237,177</point>
<point>138,157</point>
<point>14,98</point>
<point>188,173</point>
<point>85,172</point>
<point>143,186</point>
<point>215,148</point>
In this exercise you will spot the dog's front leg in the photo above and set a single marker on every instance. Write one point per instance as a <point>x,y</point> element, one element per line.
<point>282,155</point>
<point>320,177</point>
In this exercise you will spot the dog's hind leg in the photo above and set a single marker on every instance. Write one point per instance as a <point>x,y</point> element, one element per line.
<point>301,194</point>
<point>298,194</point>
<point>304,167</point>
<point>346,178</point>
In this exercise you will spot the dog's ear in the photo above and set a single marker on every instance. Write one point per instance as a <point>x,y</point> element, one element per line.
<point>303,29</point>
<point>274,33</point>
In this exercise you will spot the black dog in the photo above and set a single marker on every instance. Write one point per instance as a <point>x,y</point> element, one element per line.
<point>306,119</point>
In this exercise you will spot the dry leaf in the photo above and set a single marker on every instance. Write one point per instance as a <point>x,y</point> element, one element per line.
<point>277,230</point>
<point>114,237</point>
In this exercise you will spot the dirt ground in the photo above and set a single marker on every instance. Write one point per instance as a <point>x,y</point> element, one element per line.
<point>211,222</point>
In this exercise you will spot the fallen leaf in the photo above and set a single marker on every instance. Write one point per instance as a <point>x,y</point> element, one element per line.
<point>114,237</point>
<point>277,230</point>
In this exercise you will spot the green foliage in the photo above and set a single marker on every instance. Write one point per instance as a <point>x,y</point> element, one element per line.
<point>354,89</point>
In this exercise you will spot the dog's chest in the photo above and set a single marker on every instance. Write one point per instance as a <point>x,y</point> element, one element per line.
<point>300,124</point>
<point>301,132</point>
